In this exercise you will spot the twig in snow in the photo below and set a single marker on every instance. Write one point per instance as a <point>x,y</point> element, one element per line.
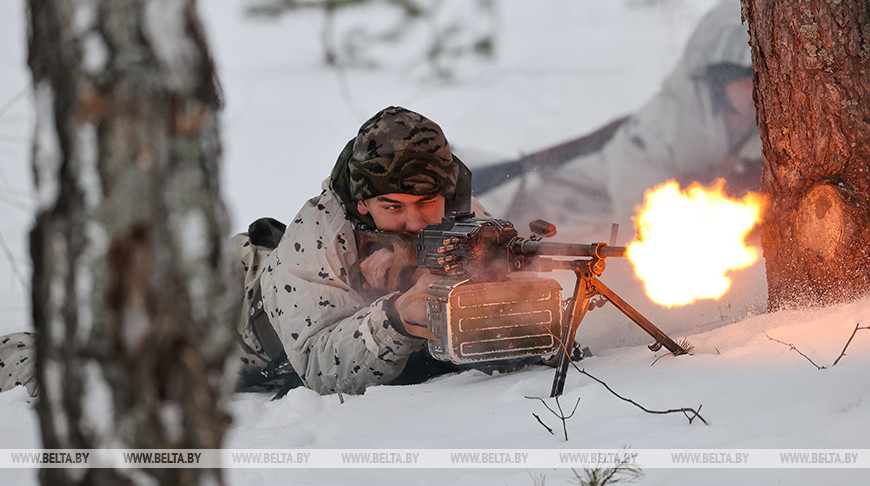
<point>542,423</point>
<point>857,324</point>
<point>561,415</point>
<point>685,410</point>
<point>684,344</point>
<point>660,357</point>
<point>538,480</point>
<point>793,348</point>
<point>623,470</point>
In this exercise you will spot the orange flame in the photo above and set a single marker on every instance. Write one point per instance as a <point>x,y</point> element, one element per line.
<point>689,240</point>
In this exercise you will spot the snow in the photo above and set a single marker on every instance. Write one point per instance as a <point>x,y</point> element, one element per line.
<point>96,53</point>
<point>563,67</point>
<point>47,154</point>
<point>165,29</point>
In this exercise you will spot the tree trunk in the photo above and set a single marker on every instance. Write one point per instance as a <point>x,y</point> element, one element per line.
<point>812,94</point>
<point>129,296</point>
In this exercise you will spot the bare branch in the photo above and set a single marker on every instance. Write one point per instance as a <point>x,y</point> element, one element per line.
<point>542,423</point>
<point>572,411</point>
<point>685,410</point>
<point>623,470</point>
<point>793,348</point>
<point>545,404</point>
<point>561,415</point>
<point>695,414</point>
<point>564,417</point>
<point>540,480</point>
<point>660,357</point>
<point>857,324</point>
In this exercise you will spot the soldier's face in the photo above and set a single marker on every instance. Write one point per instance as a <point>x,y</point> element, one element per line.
<point>403,213</point>
<point>739,92</point>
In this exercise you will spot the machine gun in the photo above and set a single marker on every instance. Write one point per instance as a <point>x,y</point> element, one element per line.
<point>480,312</point>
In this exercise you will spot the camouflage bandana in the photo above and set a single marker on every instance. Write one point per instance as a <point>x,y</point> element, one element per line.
<point>399,151</point>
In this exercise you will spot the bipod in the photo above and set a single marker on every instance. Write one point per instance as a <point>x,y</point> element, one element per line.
<point>586,287</point>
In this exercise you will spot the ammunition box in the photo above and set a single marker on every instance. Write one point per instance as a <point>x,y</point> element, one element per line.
<point>489,321</point>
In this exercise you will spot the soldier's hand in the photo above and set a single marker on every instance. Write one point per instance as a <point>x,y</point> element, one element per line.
<point>376,267</point>
<point>411,305</point>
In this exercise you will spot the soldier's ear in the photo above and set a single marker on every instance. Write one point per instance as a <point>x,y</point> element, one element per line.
<point>362,208</point>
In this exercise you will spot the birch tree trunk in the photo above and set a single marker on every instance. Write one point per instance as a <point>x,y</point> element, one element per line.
<point>129,296</point>
<point>812,94</point>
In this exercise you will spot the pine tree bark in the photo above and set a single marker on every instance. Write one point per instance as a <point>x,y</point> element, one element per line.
<point>812,94</point>
<point>129,294</point>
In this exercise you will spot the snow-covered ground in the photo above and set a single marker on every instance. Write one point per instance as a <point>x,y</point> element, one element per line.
<point>562,68</point>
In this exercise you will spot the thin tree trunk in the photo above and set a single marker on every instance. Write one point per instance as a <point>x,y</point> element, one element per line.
<point>129,298</point>
<point>812,94</point>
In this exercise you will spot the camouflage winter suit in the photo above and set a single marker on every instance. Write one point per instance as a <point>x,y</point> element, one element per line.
<point>337,337</point>
<point>17,357</point>
<point>679,134</point>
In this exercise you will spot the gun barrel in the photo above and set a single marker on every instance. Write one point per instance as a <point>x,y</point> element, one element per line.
<point>529,247</point>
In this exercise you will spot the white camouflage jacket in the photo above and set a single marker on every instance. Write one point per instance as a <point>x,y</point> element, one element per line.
<point>678,134</point>
<point>335,338</point>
